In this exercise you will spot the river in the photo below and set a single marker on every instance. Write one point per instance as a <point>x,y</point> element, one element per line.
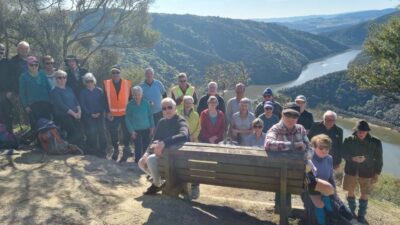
<point>390,139</point>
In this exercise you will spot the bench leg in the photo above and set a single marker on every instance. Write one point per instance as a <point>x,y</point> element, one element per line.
<point>283,220</point>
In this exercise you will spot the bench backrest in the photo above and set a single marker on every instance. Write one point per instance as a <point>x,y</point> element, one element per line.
<point>234,166</point>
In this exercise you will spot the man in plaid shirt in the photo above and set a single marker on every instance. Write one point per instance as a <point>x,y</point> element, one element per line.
<point>287,135</point>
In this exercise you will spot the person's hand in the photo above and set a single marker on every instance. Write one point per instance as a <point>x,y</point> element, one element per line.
<point>79,115</point>
<point>358,159</point>
<point>9,95</point>
<point>28,109</point>
<point>133,135</point>
<point>213,139</point>
<point>110,116</point>
<point>152,131</point>
<point>300,145</point>
<point>375,178</point>
<point>158,148</point>
<point>336,166</point>
<point>95,115</point>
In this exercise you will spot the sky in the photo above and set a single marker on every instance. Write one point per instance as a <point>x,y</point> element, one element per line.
<point>250,9</point>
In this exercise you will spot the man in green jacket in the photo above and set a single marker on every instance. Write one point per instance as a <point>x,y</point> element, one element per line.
<point>363,156</point>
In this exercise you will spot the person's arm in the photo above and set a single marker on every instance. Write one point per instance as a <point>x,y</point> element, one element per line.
<point>173,97</point>
<point>130,124</point>
<point>197,127</point>
<point>228,115</point>
<point>273,144</point>
<point>221,128</point>
<point>22,92</point>
<point>83,103</point>
<point>378,162</point>
<point>182,135</point>
<point>204,120</point>
<point>331,177</point>
<point>59,103</point>
<point>194,98</point>
<point>106,103</point>
<point>337,159</point>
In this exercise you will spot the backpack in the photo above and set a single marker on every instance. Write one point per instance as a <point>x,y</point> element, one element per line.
<point>7,139</point>
<point>51,141</point>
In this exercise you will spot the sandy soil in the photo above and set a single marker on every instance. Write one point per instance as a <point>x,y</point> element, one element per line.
<point>88,190</point>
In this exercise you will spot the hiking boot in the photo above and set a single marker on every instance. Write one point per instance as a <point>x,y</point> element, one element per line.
<point>153,189</point>
<point>115,153</point>
<point>362,220</point>
<point>125,154</point>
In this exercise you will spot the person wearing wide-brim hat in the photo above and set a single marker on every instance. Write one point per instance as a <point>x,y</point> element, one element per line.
<point>363,155</point>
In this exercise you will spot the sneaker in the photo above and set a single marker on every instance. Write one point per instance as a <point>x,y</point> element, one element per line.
<point>127,152</point>
<point>153,189</point>
<point>114,155</point>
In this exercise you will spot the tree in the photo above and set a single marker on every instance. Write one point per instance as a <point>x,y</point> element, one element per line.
<point>382,73</point>
<point>228,75</point>
<point>80,27</point>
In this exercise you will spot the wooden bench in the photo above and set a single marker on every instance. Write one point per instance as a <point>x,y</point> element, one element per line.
<point>233,166</point>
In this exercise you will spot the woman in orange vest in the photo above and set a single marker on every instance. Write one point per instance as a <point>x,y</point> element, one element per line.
<point>117,92</point>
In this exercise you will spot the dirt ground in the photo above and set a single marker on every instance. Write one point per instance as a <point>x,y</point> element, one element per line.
<point>89,190</point>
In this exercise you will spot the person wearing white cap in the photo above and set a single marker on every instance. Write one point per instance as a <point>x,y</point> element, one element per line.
<point>306,118</point>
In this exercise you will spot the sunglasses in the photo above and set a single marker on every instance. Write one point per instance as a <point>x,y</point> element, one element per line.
<point>49,63</point>
<point>34,65</point>
<point>115,72</point>
<point>323,147</point>
<point>257,126</point>
<point>167,107</point>
<point>267,96</point>
<point>61,78</point>
<point>291,115</point>
<point>267,108</point>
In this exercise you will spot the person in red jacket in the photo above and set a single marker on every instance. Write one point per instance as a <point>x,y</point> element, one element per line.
<point>212,123</point>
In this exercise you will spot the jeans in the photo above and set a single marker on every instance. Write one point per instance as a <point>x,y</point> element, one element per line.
<point>96,141</point>
<point>141,142</point>
<point>113,129</point>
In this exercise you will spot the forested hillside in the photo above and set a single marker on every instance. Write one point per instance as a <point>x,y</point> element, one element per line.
<point>336,90</point>
<point>355,35</point>
<point>272,53</point>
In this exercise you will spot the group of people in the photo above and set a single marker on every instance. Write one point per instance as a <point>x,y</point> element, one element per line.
<point>144,114</point>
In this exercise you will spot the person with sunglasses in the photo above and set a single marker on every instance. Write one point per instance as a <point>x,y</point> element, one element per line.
<point>93,104</point>
<point>287,135</point>
<point>117,92</point>
<point>268,96</point>
<point>178,92</point>
<point>34,92</point>
<point>268,117</point>
<point>258,137</point>
<point>171,133</point>
<point>67,111</point>
<point>49,70</point>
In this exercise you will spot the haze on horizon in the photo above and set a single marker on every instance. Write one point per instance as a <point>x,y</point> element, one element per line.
<point>252,9</point>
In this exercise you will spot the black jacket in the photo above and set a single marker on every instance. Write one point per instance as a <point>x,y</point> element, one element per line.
<point>203,104</point>
<point>306,119</point>
<point>370,148</point>
<point>76,84</point>
<point>335,134</point>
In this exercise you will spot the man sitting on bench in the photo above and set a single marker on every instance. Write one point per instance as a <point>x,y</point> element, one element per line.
<point>171,133</point>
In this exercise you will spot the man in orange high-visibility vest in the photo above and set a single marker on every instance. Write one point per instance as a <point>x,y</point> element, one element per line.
<point>117,92</point>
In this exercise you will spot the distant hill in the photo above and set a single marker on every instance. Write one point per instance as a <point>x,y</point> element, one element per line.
<point>326,23</point>
<point>271,52</point>
<point>336,90</point>
<point>355,35</point>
